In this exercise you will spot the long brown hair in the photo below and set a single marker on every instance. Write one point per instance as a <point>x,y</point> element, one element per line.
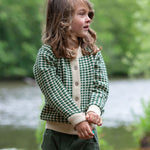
<point>57,31</point>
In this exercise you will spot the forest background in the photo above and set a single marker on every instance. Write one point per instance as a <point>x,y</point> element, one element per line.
<point>122,28</point>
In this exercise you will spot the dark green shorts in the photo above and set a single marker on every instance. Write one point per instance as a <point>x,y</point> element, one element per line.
<point>59,141</point>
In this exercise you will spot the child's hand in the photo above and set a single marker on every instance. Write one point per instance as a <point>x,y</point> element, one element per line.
<point>94,118</point>
<point>84,130</point>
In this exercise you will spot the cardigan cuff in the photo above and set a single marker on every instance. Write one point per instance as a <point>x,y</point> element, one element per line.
<point>95,109</point>
<point>77,118</point>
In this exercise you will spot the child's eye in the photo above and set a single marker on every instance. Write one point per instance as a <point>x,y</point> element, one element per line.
<point>82,13</point>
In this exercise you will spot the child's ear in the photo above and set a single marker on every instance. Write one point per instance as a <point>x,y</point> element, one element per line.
<point>91,14</point>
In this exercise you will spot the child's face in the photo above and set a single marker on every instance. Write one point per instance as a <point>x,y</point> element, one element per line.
<point>81,21</point>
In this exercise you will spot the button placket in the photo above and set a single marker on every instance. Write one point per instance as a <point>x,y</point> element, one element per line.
<point>75,67</point>
<point>76,79</point>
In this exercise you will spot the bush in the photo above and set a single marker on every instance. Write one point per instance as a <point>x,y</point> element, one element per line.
<point>142,123</point>
<point>103,144</point>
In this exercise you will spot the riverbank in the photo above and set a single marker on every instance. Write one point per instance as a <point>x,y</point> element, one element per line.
<point>24,138</point>
<point>20,108</point>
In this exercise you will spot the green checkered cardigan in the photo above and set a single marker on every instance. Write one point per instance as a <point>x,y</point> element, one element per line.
<point>54,77</point>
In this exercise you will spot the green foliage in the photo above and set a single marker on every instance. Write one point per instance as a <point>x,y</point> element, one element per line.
<point>142,123</point>
<point>114,25</point>
<point>141,63</point>
<point>41,127</point>
<point>122,29</point>
<point>20,28</point>
<point>103,144</point>
<point>40,132</point>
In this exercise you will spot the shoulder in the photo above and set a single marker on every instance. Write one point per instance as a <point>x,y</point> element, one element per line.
<point>46,50</point>
<point>99,58</point>
<point>45,56</point>
<point>98,54</point>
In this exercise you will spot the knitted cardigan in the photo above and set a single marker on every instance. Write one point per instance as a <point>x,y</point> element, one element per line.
<point>54,77</point>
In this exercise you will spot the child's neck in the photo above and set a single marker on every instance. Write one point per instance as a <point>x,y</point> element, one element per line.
<point>73,44</point>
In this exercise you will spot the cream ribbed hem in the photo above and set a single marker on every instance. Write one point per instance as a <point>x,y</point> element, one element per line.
<point>77,118</point>
<point>61,127</point>
<point>95,109</point>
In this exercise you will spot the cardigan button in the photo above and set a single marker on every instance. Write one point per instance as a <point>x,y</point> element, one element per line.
<point>76,98</point>
<point>76,83</point>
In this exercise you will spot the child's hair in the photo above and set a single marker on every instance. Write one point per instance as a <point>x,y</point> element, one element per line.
<point>57,31</point>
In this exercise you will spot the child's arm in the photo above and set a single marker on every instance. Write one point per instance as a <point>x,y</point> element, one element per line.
<point>100,90</point>
<point>84,130</point>
<point>94,118</point>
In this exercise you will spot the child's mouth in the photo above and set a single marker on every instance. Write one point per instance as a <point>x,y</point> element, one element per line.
<point>86,27</point>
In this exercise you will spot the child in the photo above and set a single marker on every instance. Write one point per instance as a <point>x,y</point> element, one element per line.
<point>72,76</point>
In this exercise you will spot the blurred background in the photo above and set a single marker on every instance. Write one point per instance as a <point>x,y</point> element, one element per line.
<point>123,30</point>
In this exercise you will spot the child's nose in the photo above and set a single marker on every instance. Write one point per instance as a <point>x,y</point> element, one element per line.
<point>88,19</point>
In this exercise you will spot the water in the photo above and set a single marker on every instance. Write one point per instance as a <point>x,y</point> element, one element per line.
<point>20,109</point>
<point>19,104</point>
<point>124,100</point>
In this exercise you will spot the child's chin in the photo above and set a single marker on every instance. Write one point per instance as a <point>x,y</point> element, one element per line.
<point>83,35</point>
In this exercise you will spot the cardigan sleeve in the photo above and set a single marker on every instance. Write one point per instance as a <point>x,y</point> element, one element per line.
<point>100,85</point>
<point>51,85</point>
